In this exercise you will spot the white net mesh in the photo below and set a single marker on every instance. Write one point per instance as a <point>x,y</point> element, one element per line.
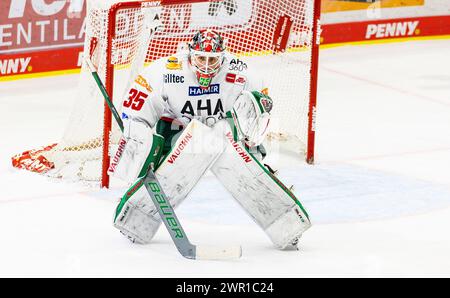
<point>143,35</point>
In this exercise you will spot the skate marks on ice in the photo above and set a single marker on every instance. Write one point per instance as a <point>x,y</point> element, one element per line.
<point>347,193</point>
<point>330,193</point>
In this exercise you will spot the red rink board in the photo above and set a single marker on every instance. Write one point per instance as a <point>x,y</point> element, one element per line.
<point>385,29</point>
<point>14,65</point>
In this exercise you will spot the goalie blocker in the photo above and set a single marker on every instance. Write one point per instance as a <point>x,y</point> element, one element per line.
<point>199,148</point>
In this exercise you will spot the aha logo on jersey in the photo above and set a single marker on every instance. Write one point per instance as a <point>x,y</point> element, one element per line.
<point>203,105</point>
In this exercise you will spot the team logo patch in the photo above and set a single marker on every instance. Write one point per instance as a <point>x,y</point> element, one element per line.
<point>267,103</point>
<point>197,91</point>
<point>143,82</point>
<point>174,64</point>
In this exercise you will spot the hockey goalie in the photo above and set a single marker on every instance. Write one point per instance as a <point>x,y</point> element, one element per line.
<point>201,109</point>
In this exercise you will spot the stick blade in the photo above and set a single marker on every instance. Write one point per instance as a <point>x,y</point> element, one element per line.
<point>218,253</point>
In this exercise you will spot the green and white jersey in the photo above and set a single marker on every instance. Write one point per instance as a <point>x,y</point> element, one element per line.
<point>169,88</point>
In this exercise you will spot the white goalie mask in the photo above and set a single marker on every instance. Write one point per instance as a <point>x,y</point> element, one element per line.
<point>206,56</point>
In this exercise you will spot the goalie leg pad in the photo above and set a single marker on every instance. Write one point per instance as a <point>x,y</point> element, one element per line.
<point>136,215</point>
<point>271,205</point>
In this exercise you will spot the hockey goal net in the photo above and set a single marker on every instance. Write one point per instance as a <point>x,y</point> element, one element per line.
<point>278,37</point>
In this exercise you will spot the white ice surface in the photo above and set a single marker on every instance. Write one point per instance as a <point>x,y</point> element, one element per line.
<point>378,197</point>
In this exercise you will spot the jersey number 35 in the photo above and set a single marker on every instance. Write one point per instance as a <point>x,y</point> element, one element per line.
<point>136,100</point>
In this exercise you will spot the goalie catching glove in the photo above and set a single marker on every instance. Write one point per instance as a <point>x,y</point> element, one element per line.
<point>251,116</point>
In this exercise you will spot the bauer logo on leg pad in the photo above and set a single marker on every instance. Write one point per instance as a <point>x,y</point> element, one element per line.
<point>166,209</point>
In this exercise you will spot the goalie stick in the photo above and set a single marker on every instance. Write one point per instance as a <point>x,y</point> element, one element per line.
<point>163,206</point>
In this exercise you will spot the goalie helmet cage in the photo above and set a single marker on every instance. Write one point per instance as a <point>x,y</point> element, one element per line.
<point>278,37</point>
